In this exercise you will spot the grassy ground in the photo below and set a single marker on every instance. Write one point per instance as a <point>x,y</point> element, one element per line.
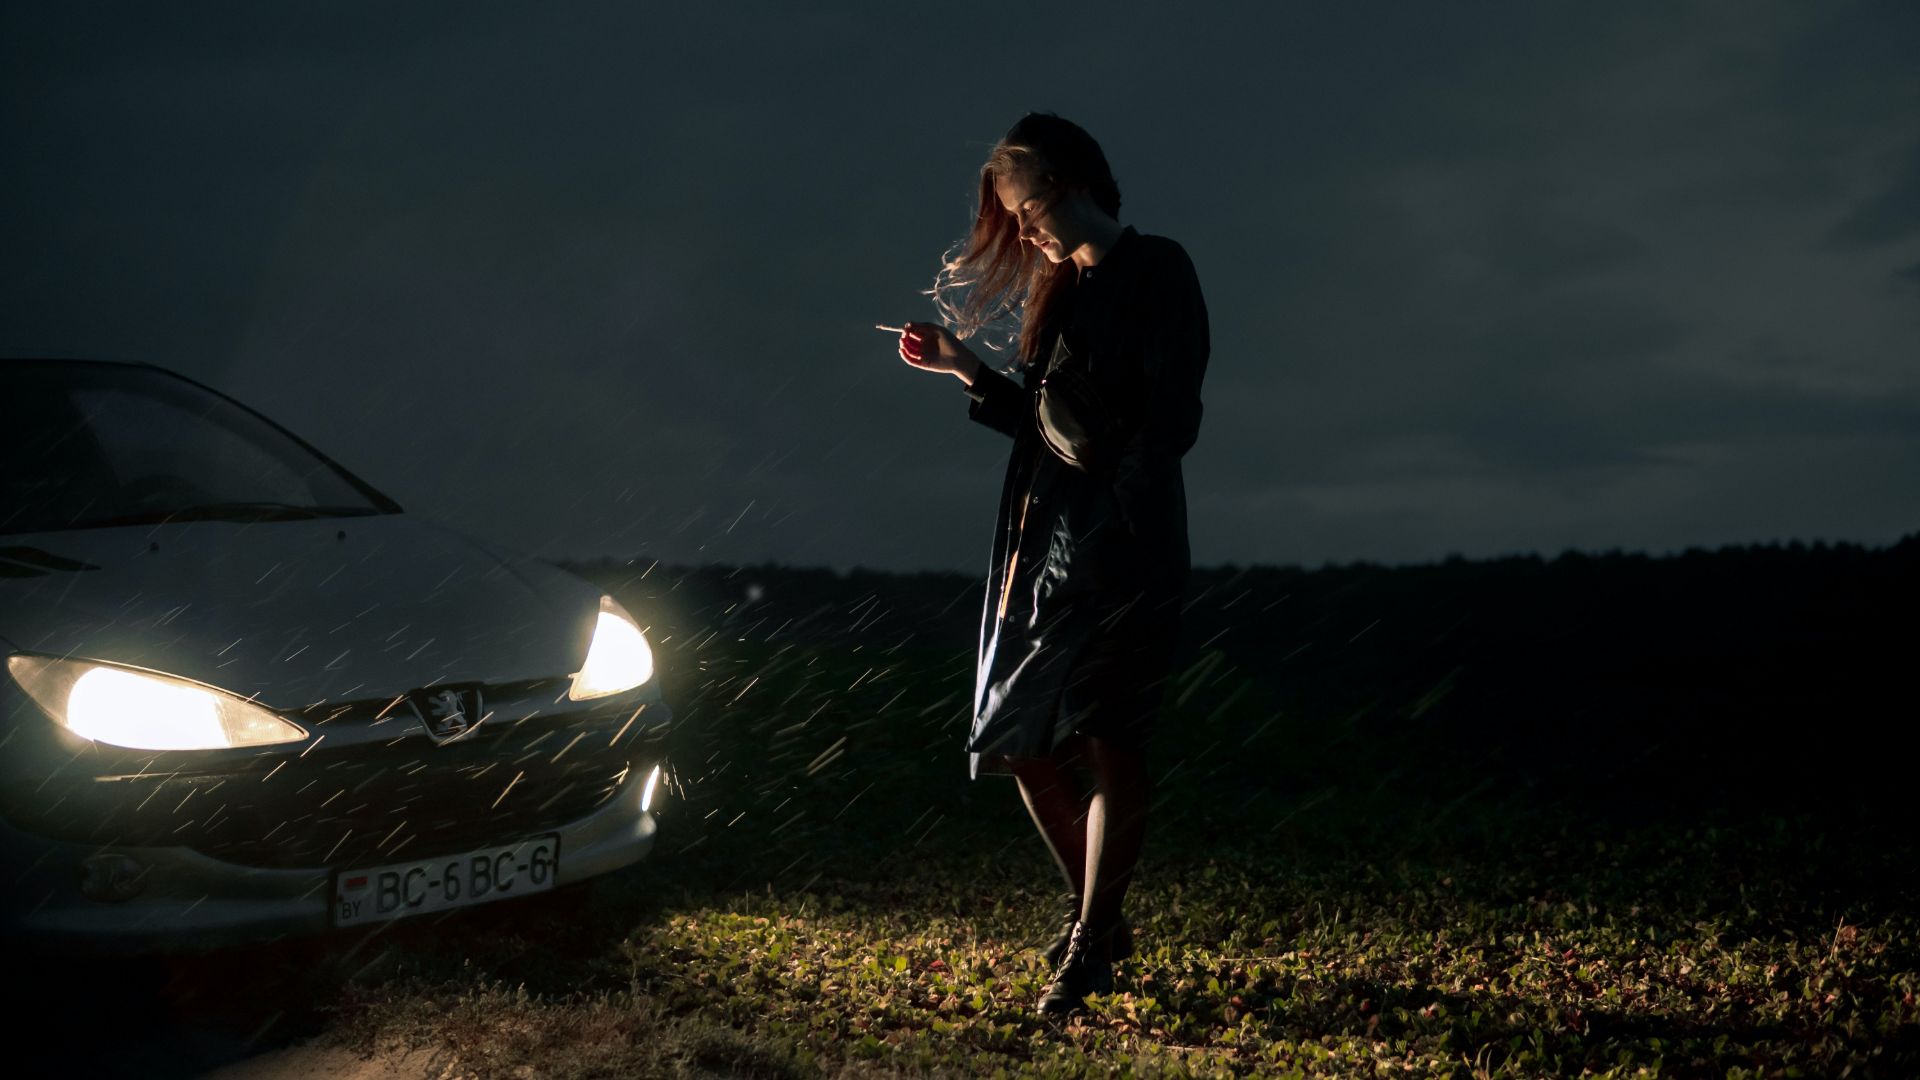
<point>1527,963</point>
<point>831,896</point>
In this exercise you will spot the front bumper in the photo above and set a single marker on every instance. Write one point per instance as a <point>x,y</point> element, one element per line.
<point>190,900</point>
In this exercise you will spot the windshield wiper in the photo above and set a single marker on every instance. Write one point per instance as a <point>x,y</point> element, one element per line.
<point>229,511</point>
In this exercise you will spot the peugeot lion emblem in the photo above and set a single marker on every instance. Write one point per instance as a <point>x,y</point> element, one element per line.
<point>448,713</point>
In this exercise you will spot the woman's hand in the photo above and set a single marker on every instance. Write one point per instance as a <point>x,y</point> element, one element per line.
<point>933,347</point>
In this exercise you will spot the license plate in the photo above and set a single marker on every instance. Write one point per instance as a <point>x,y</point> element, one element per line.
<point>450,881</point>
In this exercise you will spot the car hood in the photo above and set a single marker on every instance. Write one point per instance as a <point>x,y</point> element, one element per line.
<point>295,612</point>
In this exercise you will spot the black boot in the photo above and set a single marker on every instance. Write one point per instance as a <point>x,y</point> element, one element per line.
<point>1121,946</point>
<point>1085,968</point>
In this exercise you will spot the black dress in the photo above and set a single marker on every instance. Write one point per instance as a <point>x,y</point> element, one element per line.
<point>1090,557</point>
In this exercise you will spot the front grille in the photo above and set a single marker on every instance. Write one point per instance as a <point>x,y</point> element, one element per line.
<point>438,813</point>
<point>376,789</point>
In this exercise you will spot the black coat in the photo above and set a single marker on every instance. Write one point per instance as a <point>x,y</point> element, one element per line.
<point>1094,501</point>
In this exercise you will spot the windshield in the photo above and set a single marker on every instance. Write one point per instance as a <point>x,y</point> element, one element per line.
<point>89,445</point>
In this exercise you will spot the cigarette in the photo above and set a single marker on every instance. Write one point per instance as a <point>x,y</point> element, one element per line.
<point>890,329</point>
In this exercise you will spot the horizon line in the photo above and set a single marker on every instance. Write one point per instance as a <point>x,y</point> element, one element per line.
<point>1452,559</point>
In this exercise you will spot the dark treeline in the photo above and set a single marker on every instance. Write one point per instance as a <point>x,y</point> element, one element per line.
<point>1768,677</point>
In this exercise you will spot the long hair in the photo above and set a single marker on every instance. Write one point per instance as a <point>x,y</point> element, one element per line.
<point>994,275</point>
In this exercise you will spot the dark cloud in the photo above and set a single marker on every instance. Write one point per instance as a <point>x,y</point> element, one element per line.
<point>1890,215</point>
<point>600,280</point>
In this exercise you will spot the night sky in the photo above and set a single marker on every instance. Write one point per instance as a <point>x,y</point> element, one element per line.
<point>1488,280</point>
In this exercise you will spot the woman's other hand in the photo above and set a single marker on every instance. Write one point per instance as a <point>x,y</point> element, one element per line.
<point>933,347</point>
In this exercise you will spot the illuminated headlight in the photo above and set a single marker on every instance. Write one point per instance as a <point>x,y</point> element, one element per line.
<point>617,659</point>
<point>145,710</point>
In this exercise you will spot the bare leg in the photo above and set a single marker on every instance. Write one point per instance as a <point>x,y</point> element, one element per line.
<point>1116,829</point>
<point>1059,810</point>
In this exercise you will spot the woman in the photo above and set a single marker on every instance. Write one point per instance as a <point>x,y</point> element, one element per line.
<point>1090,553</point>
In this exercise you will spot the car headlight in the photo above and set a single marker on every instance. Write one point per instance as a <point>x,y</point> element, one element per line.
<point>145,710</point>
<point>617,659</point>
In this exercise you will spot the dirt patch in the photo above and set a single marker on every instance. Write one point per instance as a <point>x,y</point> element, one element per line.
<point>327,1061</point>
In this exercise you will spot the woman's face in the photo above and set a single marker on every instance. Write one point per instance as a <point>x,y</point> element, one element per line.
<point>1044,218</point>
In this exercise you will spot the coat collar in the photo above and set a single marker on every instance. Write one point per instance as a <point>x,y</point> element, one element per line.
<point>1116,255</point>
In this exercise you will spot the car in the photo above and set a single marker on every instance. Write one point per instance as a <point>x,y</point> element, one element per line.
<point>248,697</point>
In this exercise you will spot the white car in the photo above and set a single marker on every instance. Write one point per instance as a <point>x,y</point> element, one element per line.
<point>247,696</point>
